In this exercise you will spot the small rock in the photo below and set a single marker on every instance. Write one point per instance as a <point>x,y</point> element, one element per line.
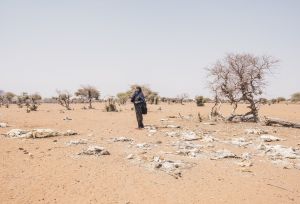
<point>168,166</point>
<point>172,126</point>
<point>210,145</point>
<point>95,150</point>
<point>255,131</point>
<point>269,138</point>
<point>297,166</point>
<point>262,147</point>
<point>3,125</point>
<point>188,117</point>
<point>152,131</point>
<point>283,163</point>
<point>172,134</point>
<point>77,142</point>
<point>189,136</point>
<point>189,152</point>
<point>246,156</point>
<point>209,123</point>
<point>144,146</point>
<point>242,142</point>
<point>70,133</point>
<point>164,120</point>
<point>122,139</point>
<point>67,118</point>
<point>158,165</point>
<point>245,164</point>
<point>130,156</point>
<point>279,151</point>
<point>222,154</point>
<point>150,127</point>
<point>209,138</point>
<point>186,145</point>
<point>177,173</point>
<point>246,170</point>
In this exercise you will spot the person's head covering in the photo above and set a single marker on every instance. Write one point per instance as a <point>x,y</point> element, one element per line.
<point>139,89</point>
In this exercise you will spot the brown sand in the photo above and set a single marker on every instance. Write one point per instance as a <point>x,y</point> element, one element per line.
<point>54,174</point>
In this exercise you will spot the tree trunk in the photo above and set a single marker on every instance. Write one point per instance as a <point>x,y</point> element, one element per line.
<point>253,109</point>
<point>90,103</point>
<point>235,105</point>
<point>275,121</point>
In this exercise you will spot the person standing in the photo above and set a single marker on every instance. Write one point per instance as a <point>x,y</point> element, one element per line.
<point>139,101</point>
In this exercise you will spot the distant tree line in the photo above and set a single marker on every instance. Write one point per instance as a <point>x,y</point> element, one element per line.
<point>235,79</point>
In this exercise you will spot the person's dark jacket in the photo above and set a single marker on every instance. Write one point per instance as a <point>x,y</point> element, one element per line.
<point>138,97</point>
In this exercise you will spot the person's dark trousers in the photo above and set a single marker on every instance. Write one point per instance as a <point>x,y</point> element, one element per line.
<point>139,115</point>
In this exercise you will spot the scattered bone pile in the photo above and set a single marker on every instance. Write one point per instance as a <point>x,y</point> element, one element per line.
<point>37,133</point>
<point>158,163</point>
<point>204,145</point>
<point>185,145</point>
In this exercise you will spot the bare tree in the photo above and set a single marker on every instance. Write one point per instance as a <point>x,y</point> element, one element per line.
<point>241,78</point>
<point>21,99</point>
<point>215,110</point>
<point>111,105</point>
<point>1,98</point>
<point>8,98</point>
<point>33,101</point>
<point>183,97</point>
<point>88,93</point>
<point>64,99</point>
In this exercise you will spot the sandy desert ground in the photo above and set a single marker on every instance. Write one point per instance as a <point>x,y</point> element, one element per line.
<point>196,163</point>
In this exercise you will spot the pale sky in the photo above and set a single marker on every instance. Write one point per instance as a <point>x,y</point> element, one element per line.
<point>62,44</point>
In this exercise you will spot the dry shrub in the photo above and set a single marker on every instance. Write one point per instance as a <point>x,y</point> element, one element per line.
<point>111,105</point>
<point>199,100</point>
<point>64,99</point>
<point>295,97</point>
